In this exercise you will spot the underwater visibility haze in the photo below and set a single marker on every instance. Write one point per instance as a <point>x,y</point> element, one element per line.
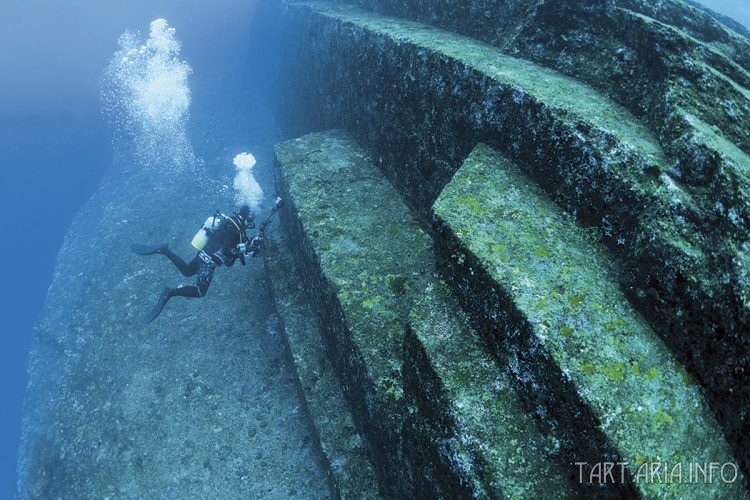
<point>495,246</point>
<point>57,142</point>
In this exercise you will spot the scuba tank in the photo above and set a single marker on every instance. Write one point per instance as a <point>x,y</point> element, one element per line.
<point>200,240</point>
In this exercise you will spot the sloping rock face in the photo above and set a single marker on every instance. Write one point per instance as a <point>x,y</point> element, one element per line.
<point>685,74</point>
<point>355,282</point>
<point>656,58</point>
<point>350,471</point>
<point>628,114</point>
<point>179,408</point>
<point>559,370</point>
<point>201,403</point>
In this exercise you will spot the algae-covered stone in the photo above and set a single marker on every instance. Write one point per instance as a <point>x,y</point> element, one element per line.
<point>350,470</point>
<point>361,254</point>
<point>367,262</point>
<point>652,57</point>
<point>639,150</point>
<point>468,416</point>
<point>542,287</point>
<point>460,87</point>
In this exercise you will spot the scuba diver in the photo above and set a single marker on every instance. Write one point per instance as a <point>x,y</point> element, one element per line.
<point>220,241</point>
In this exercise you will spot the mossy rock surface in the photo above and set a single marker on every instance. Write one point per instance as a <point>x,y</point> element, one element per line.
<point>559,308</point>
<point>655,58</point>
<point>361,254</point>
<point>466,407</point>
<point>431,70</point>
<point>368,264</point>
<point>666,185</point>
<point>351,473</point>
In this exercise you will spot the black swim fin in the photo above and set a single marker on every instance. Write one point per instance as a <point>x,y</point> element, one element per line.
<point>148,249</point>
<point>163,298</point>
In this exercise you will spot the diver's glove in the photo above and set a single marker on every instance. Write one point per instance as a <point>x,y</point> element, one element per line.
<point>239,251</point>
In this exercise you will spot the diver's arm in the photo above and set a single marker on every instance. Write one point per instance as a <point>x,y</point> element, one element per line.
<point>238,252</point>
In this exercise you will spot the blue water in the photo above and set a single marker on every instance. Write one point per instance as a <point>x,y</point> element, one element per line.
<point>55,143</point>
<point>42,195</point>
<point>739,10</point>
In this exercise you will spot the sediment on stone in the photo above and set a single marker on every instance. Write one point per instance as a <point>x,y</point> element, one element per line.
<point>632,50</point>
<point>542,288</point>
<point>366,263</point>
<point>351,473</point>
<point>418,99</point>
<point>359,253</point>
<point>467,431</point>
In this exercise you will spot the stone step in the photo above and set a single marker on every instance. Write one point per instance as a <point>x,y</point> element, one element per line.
<point>419,99</point>
<point>351,473</point>
<point>359,253</point>
<point>364,260</point>
<point>449,69</point>
<point>541,287</point>
<point>465,416</point>
<point>614,47</point>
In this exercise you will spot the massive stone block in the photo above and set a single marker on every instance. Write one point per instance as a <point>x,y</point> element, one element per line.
<point>350,471</point>
<point>359,253</point>
<point>652,57</point>
<point>542,287</point>
<point>664,183</point>
<point>466,416</point>
<point>438,414</point>
<point>422,96</point>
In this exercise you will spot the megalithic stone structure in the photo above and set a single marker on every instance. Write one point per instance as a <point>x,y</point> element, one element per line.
<point>438,415</point>
<point>628,114</point>
<point>542,288</point>
<point>349,469</point>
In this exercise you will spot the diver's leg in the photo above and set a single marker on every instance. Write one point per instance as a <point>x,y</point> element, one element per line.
<point>185,268</point>
<point>162,248</point>
<point>205,275</point>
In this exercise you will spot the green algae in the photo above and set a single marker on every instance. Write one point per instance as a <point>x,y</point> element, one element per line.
<point>341,205</point>
<point>615,372</point>
<point>653,373</point>
<point>505,450</point>
<point>600,340</point>
<point>589,368</point>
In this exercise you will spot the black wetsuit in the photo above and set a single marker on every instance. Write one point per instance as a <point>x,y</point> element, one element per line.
<point>220,250</point>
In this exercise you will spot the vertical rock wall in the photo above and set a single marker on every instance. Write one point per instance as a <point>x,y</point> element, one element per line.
<point>628,115</point>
